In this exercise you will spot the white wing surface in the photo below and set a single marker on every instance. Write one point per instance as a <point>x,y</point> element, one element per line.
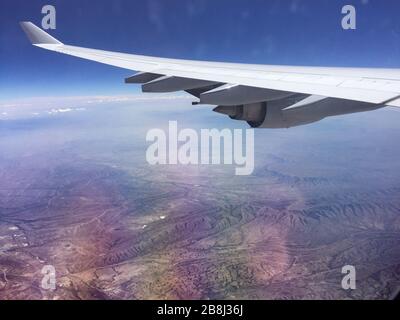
<point>232,84</point>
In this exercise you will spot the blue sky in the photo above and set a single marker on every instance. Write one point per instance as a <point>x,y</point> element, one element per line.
<point>302,32</point>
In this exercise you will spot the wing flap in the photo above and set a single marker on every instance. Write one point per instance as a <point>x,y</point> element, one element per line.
<point>171,84</point>
<point>229,95</point>
<point>394,103</point>
<point>142,77</point>
<point>357,94</point>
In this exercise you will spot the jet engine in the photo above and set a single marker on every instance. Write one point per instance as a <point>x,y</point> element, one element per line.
<point>293,111</point>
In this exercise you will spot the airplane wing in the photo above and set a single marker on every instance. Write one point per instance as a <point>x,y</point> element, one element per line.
<point>247,91</point>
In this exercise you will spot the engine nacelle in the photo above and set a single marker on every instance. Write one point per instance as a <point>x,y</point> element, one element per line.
<point>253,113</point>
<point>293,111</point>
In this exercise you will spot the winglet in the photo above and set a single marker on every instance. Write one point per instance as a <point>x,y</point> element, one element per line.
<point>37,35</point>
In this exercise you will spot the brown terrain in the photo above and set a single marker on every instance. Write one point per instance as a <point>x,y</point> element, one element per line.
<point>115,228</point>
<point>175,234</point>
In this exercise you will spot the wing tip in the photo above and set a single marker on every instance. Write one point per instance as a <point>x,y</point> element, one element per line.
<point>37,35</point>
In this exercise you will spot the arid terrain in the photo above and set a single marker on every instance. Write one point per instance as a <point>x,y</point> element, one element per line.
<point>321,197</point>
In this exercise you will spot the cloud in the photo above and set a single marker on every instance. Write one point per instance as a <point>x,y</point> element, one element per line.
<point>28,107</point>
<point>79,101</point>
<point>65,110</point>
<point>60,110</point>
